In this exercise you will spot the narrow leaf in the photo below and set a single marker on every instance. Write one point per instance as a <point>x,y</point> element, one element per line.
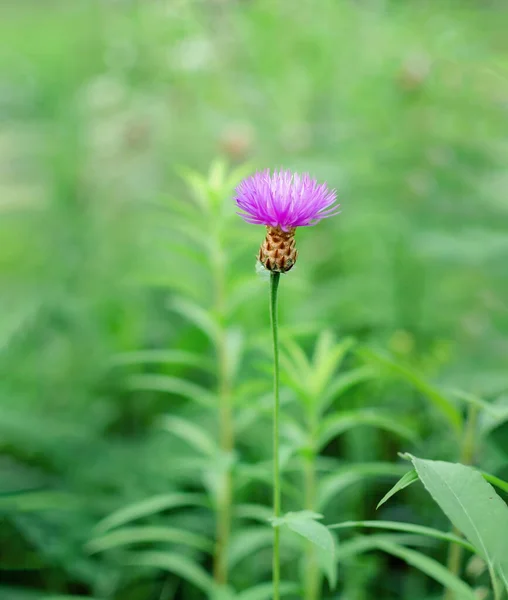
<point>264,591</point>
<point>441,402</point>
<point>248,541</point>
<point>171,385</point>
<point>148,507</point>
<point>344,477</point>
<point>167,357</point>
<point>148,534</point>
<point>337,424</point>
<point>408,528</point>
<point>198,316</point>
<point>430,567</point>
<point>405,481</point>
<point>195,436</point>
<point>177,564</point>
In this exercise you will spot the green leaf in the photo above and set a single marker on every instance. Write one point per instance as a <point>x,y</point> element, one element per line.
<point>430,567</point>
<point>255,512</point>
<point>327,358</point>
<point>264,591</point>
<point>406,480</point>
<point>441,402</point>
<point>168,357</point>
<point>198,316</point>
<point>337,424</point>
<point>171,385</point>
<point>305,524</point>
<point>346,476</point>
<point>342,383</point>
<point>148,534</point>
<point>248,541</point>
<point>499,483</point>
<point>473,507</point>
<point>177,564</point>
<point>408,528</point>
<point>195,436</point>
<point>148,507</point>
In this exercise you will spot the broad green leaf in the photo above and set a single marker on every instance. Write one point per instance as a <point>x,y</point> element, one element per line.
<point>441,402</point>
<point>177,564</point>
<point>169,357</point>
<point>195,436</point>
<point>408,528</point>
<point>473,507</point>
<point>171,385</point>
<point>248,541</point>
<point>337,424</point>
<point>264,591</point>
<point>143,534</point>
<point>406,480</point>
<point>430,567</point>
<point>344,477</point>
<point>148,507</point>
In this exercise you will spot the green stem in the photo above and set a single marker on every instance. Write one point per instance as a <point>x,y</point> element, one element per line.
<point>311,573</point>
<point>467,447</point>
<point>226,430</point>
<point>274,285</point>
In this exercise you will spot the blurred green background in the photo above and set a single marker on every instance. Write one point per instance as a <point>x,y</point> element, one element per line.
<point>124,127</point>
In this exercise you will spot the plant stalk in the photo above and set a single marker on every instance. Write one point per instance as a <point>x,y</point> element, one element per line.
<point>274,285</point>
<point>226,429</point>
<point>311,571</point>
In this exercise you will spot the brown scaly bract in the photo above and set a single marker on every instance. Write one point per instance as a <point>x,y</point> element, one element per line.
<point>278,252</point>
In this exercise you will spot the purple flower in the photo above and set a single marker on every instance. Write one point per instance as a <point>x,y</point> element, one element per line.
<point>284,200</point>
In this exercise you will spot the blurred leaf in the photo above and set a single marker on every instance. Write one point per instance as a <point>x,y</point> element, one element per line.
<point>245,543</point>
<point>198,316</point>
<point>264,591</point>
<point>304,523</point>
<point>169,357</point>
<point>148,534</point>
<point>337,424</point>
<point>177,564</point>
<point>195,436</point>
<point>406,480</point>
<point>447,408</point>
<point>344,477</point>
<point>148,507</point>
<point>499,483</point>
<point>255,512</point>
<point>171,385</point>
<point>408,528</point>
<point>342,383</point>
<point>473,507</point>
<point>327,358</point>
<point>430,567</point>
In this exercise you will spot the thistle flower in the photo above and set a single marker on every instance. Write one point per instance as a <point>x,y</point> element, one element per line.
<point>282,202</point>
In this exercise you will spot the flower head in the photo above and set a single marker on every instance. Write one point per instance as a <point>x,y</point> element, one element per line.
<point>284,200</point>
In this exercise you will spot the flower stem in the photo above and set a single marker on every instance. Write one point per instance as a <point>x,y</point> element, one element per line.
<point>274,285</point>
